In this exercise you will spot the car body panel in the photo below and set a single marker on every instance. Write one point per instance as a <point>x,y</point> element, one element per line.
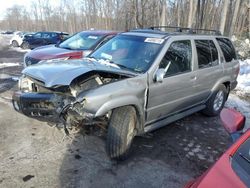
<point>43,38</point>
<point>221,173</point>
<point>53,52</point>
<point>183,93</point>
<point>48,52</point>
<point>53,73</point>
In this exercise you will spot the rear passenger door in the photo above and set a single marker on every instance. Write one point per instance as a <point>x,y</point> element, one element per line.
<point>208,69</point>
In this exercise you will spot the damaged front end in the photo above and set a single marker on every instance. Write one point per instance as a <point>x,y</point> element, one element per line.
<point>60,105</point>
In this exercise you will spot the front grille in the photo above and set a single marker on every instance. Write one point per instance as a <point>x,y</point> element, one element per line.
<point>30,61</point>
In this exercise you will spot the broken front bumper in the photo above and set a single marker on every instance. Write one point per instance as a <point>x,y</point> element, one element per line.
<point>41,106</point>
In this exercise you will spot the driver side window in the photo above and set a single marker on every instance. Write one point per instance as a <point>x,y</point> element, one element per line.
<point>178,58</point>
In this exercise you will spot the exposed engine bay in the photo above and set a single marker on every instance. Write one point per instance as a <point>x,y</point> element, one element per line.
<point>62,107</point>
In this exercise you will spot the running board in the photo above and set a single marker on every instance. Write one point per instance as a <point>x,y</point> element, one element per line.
<point>171,119</point>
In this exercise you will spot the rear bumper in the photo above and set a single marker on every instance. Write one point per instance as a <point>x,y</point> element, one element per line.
<point>42,106</point>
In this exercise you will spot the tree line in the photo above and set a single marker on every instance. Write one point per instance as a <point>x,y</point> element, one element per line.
<point>231,17</point>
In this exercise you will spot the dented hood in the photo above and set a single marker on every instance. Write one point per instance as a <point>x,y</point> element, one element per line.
<point>62,73</point>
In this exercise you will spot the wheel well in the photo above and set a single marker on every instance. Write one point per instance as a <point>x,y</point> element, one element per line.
<point>140,123</point>
<point>227,85</point>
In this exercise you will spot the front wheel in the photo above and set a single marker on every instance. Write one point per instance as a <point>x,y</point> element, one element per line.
<point>216,101</point>
<point>25,45</point>
<point>121,132</point>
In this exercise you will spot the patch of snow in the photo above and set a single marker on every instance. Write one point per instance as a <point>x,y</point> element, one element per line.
<point>3,65</point>
<point>21,50</point>
<point>243,87</point>
<point>15,78</point>
<point>240,105</point>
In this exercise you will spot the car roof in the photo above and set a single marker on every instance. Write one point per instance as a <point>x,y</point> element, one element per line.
<point>156,33</point>
<point>58,32</point>
<point>100,32</point>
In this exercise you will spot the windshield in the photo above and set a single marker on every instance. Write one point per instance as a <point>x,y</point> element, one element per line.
<point>81,41</point>
<point>130,52</point>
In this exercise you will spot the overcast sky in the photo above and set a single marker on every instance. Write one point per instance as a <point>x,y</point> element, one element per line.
<point>4,4</point>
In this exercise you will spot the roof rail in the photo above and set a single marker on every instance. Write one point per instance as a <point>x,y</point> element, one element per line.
<point>189,30</point>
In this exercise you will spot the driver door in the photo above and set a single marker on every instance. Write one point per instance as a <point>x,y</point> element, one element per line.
<point>176,92</point>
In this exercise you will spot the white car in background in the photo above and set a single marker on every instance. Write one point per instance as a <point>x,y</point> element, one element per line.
<point>17,38</point>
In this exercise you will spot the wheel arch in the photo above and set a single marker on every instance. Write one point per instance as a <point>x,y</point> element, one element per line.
<point>124,101</point>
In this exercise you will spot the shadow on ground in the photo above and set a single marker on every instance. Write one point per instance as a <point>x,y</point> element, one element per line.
<point>168,157</point>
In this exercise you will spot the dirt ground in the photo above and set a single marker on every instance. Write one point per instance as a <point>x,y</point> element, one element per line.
<point>33,154</point>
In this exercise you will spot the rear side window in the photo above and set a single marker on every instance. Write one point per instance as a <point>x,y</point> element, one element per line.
<point>207,53</point>
<point>227,49</point>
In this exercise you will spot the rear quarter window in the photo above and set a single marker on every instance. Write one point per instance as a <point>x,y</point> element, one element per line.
<point>227,49</point>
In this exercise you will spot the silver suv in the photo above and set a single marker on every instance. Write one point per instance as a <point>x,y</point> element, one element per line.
<point>137,82</point>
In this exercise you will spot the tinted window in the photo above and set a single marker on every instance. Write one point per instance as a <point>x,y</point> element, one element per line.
<point>241,162</point>
<point>227,49</point>
<point>38,35</point>
<point>46,35</point>
<point>81,41</point>
<point>207,53</point>
<point>53,35</point>
<point>178,58</point>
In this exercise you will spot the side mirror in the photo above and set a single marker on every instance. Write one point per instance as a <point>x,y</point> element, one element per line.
<point>233,121</point>
<point>159,75</point>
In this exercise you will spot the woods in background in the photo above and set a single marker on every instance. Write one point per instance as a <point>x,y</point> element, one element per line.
<point>228,16</point>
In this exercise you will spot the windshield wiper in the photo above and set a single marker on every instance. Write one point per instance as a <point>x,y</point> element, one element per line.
<point>244,157</point>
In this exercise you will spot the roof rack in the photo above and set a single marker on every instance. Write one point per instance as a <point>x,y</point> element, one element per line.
<point>189,30</point>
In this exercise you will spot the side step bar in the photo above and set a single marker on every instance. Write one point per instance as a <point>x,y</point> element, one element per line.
<point>171,119</point>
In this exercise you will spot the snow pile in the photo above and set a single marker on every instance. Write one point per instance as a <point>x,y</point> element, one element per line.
<point>242,47</point>
<point>20,49</point>
<point>3,65</point>
<point>243,87</point>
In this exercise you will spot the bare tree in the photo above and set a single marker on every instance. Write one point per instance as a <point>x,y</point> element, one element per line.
<point>224,16</point>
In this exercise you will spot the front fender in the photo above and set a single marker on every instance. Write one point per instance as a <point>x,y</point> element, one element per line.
<point>118,102</point>
<point>124,101</point>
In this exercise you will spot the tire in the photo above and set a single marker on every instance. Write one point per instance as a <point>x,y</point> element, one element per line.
<point>14,43</point>
<point>216,101</point>
<point>121,131</point>
<point>25,45</point>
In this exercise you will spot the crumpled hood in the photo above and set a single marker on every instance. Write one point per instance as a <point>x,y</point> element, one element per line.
<point>62,73</point>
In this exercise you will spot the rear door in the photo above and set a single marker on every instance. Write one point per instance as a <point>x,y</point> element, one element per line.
<point>208,67</point>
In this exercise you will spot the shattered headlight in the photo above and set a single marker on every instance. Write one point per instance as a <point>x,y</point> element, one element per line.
<point>25,84</point>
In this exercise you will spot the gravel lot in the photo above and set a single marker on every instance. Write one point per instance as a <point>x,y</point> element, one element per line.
<point>33,154</point>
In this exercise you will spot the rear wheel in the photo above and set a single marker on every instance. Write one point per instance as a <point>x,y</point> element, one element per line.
<point>216,101</point>
<point>121,132</point>
<point>14,43</point>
